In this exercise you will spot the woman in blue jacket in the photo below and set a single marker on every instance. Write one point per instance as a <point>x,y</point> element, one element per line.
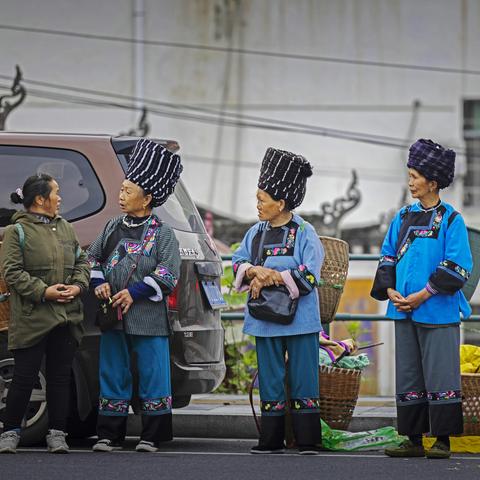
<point>292,255</point>
<point>425,262</point>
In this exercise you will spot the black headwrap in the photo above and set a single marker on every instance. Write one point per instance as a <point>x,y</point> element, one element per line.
<point>433,161</point>
<point>284,175</point>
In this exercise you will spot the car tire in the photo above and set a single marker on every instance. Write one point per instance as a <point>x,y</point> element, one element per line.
<point>181,401</point>
<point>36,425</point>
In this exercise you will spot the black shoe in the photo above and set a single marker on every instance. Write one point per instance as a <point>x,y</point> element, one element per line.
<point>439,450</point>
<point>260,449</point>
<point>309,450</point>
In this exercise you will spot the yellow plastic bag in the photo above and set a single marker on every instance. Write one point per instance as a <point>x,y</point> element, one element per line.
<point>469,359</point>
<point>467,444</point>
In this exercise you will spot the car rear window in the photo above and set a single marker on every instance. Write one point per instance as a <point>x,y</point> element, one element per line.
<point>80,189</point>
<point>178,211</point>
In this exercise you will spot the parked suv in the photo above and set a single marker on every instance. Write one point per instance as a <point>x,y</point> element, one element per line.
<point>90,169</point>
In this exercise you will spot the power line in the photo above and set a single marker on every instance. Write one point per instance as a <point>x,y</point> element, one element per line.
<point>242,51</point>
<point>211,116</point>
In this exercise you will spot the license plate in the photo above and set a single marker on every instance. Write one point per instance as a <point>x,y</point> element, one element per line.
<point>214,295</point>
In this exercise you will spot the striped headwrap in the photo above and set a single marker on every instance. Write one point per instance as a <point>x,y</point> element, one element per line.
<point>155,169</point>
<point>283,176</point>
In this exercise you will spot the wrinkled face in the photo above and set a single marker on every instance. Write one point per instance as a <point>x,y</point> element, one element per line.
<point>51,205</point>
<point>268,209</point>
<point>132,199</point>
<point>418,185</point>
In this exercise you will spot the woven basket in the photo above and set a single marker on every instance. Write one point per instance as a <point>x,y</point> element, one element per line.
<point>471,403</point>
<point>332,277</point>
<point>339,389</point>
<point>4,306</point>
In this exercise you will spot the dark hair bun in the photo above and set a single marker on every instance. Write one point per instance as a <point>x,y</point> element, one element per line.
<point>16,198</point>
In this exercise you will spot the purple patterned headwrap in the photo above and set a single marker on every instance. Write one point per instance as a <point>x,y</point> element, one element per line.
<point>432,161</point>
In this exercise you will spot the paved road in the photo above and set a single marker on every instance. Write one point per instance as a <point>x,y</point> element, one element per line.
<point>197,459</point>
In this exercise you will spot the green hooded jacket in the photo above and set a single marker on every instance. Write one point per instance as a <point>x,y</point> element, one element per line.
<point>51,254</point>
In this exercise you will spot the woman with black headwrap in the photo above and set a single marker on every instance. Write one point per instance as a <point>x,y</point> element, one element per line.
<point>135,265</point>
<point>283,249</point>
<point>425,262</point>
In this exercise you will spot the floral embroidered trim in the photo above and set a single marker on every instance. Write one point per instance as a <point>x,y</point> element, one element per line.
<point>273,406</point>
<point>446,395</point>
<point>116,406</point>
<point>164,274</point>
<point>424,233</point>
<point>456,268</point>
<point>307,275</point>
<point>387,259</point>
<point>94,263</point>
<point>304,403</point>
<point>157,404</point>
<point>114,259</point>
<point>132,247</point>
<point>431,290</point>
<point>289,245</point>
<point>409,396</point>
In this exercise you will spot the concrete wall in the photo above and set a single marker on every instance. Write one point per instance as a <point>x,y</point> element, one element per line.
<point>358,98</point>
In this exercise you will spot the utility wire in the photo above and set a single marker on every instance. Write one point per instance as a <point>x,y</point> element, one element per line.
<point>242,51</point>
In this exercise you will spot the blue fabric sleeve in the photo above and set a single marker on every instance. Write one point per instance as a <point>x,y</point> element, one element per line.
<point>385,276</point>
<point>96,282</point>
<point>141,290</point>
<point>452,273</point>
<point>243,254</point>
<point>307,274</point>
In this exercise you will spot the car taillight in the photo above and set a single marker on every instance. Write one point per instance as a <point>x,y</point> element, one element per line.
<point>173,300</point>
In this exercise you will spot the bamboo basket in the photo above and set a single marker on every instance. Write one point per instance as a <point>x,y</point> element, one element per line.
<point>471,403</point>
<point>332,277</point>
<point>339,388</point>
<point>5,305</point>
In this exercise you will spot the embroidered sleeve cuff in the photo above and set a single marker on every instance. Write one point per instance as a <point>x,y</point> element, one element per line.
<point>158,297</point>
<point>430,289</point>
<point>290,284</point>
<point>240,285</point>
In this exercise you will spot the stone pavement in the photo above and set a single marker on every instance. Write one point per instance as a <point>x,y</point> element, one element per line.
<point>230,416</point>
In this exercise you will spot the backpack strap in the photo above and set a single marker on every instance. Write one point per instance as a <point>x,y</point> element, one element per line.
<point>21,235</point>
<point>452,217</point>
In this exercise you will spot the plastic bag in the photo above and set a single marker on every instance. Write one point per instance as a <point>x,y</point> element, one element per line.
<point>342,441</point>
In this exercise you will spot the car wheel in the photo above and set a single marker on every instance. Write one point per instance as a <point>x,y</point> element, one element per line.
<point>181,401</point>
<point>35,424</point>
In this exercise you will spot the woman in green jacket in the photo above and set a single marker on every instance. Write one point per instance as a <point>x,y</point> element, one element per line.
<point>46,271</point>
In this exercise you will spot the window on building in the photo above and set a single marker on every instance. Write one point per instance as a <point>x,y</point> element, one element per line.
<point>471,133</point>
<point>80,189</point>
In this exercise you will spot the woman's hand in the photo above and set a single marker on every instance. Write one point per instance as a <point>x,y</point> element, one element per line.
<point>398,300</point>
<point>124,299</point>
<point>414,300</point>
<point>73,290</point>
<point>59,293</point>
<point>103,291</point>
<point>255,287</point>
<point>266,276</point>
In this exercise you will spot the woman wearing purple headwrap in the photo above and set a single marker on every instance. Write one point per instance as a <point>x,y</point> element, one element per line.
<point>425,262</point>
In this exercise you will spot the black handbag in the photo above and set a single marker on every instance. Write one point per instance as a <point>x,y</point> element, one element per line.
<point>273,303</point>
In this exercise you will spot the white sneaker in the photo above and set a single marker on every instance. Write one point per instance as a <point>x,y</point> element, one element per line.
<point>56,442</point>
<point>105,445</point>
<point>144,446</point>
<point>9,441</point>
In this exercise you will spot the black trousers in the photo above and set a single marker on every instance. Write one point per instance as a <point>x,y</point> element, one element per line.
<point>58,347</point>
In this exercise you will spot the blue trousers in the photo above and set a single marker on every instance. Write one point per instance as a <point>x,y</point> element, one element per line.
<point>302,351</point>
<point>116,389</point>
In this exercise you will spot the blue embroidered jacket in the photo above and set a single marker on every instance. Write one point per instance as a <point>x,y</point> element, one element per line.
<point>426,249</point>
<point>295,250</point>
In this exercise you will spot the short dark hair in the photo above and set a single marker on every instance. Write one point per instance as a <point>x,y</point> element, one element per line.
<point>35,185</point>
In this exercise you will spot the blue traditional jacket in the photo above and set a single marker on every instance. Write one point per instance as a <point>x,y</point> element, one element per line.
<point>296,251</point>
<point>426,249</point>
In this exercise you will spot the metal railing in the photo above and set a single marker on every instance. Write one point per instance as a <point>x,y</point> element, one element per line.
<point>345,317</point>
